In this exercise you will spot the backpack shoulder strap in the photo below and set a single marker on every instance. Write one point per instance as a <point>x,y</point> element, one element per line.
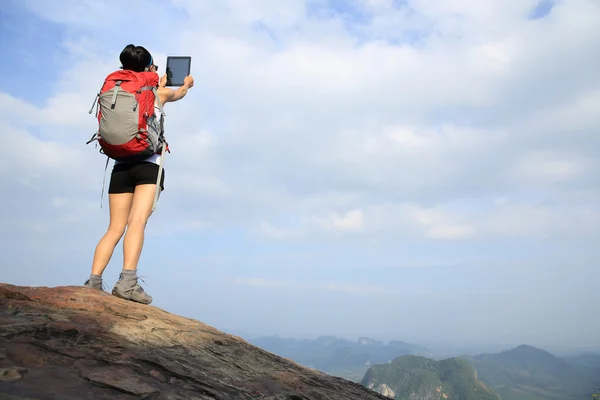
<point>158,102</point>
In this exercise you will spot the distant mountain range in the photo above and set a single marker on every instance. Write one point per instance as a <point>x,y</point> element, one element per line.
<point>338,357</point>
<point>529,373</point>
<point>404,370</point>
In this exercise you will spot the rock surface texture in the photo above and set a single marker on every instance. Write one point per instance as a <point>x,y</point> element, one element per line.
<point>79,343</point>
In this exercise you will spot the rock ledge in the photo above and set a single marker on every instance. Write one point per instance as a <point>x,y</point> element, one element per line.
<point>74,342</point>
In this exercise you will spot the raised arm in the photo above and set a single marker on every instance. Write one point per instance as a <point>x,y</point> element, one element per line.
<point>168,95</point>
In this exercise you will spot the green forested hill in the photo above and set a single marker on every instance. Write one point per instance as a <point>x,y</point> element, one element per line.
<point>419,378</point>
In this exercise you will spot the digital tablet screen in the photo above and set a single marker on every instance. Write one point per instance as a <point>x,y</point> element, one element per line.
<point>177,69</point>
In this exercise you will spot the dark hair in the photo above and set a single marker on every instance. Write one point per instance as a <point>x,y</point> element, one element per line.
<point>135,58</point>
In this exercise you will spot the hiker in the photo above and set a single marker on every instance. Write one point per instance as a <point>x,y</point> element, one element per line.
<point>132,191</point>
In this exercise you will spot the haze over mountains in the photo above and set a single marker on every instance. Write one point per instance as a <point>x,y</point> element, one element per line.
<point>337,356</point>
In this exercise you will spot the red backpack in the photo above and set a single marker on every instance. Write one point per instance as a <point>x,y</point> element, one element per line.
<point>128,129</point>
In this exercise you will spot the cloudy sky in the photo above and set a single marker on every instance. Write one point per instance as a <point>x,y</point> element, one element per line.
<point>416,170</point>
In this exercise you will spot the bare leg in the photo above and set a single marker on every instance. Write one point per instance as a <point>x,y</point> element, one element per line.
<point>120,205</point>
<point>141,210</point>
<point>127,286</point>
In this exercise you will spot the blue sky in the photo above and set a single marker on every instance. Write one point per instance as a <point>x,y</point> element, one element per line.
<point>402,170</point>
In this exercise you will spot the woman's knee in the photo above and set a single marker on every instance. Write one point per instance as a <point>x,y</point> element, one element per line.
<point>138,220</point>
<point>115,232</point>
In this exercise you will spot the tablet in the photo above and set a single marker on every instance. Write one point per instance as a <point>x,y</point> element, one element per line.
<point>177,69</point>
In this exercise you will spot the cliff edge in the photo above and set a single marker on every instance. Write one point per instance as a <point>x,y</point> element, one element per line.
<point>74,342</point>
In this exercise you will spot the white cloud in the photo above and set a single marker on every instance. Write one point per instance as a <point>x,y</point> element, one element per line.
<point>532,221</point>
<point>351,221</point>
<point>311,115</point>
<point>450,232</point>
<point>544,167</point>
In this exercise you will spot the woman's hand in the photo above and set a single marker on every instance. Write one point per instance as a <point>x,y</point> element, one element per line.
<point>163,81</point>
<point>188,81</point>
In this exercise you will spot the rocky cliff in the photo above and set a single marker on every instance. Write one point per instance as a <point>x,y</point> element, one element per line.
<point>78,343</point>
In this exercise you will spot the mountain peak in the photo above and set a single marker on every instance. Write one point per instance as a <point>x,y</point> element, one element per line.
<point>81,343</point>
<point>528,348</point>
<point>528,351</point>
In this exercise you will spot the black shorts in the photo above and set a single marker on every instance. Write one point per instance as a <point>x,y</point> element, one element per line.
<point>125,176</point>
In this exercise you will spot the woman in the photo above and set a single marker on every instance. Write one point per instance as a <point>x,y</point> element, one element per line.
<point>131,195</point>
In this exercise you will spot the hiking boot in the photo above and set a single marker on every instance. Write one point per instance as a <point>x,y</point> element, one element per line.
<point>99,286</point>
<point>131,290</point>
